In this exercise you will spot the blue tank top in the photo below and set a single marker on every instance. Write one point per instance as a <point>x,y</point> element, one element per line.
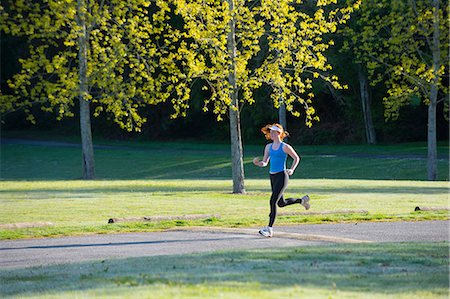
<point>277,159</point>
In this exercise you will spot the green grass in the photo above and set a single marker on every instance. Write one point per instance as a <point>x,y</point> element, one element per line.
<point>39,183</point>
<point>388,270</point>
<point>82,207</point>
<point>203,161</point>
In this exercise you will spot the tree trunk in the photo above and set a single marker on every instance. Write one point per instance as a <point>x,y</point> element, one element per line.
<point>85,116</point>
<point>432,140</point>
<point>282,114</point>
<point>366,106</point>
<point>237,165</point>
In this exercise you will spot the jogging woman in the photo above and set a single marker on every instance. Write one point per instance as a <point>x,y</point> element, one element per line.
<point>276,152</point>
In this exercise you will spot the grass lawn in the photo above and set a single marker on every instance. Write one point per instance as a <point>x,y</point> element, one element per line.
<point>40,184</point>
<point>388,270</point>
<point>129,160</point>
<point>79,207</point>
<point>147,179</point>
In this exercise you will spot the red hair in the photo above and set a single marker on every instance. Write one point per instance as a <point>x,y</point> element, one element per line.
<point>266,131</point>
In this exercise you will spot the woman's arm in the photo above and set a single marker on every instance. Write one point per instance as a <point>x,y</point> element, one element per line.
<point>265,159</point>
<point>291,152</point>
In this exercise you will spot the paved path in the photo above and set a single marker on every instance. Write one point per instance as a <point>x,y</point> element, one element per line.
<point>36,252</point>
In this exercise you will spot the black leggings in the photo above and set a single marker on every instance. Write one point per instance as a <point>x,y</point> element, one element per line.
<point>279,182</point>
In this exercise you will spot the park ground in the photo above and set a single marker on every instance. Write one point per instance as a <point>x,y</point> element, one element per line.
<point>347,260</point>
<point>40,183</point>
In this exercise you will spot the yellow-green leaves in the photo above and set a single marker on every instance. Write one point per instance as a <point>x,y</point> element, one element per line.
<point>394,39</point>
<point>293,53</point>
<point>125,69</point>
<point>142,52</point>
<point>205,48</point>
<point>296,51</point>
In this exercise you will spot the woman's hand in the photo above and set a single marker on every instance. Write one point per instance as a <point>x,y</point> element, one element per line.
<point>290,171</point>
<point>256,161</point>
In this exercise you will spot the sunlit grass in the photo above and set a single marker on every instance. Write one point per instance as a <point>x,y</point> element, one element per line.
<point>148,179</point>
<point>77,207</point>
<point>388,270</point>
<point>140,179</point>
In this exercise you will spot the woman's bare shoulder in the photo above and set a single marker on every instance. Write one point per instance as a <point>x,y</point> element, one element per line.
<point>287,147</point>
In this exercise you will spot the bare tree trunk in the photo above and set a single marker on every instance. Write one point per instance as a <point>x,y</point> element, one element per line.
<point>282,114</point>
<point>237,165</point>
<point>432,139</point>
<point>365,102</point>
<point>85,116</point>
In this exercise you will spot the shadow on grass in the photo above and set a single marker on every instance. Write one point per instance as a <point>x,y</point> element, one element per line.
<point>24,162</point>
<point>389,268</point>
<point>201,187</point>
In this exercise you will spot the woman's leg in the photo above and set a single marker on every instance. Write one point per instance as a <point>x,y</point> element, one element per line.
<point>279,182</point>
<point>288,201</point>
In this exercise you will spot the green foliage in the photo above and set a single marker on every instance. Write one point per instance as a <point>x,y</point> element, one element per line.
<point>297,46</point>
<point>394,39</point>
<point>206,53</point>
<point>126,68</point>
<point>136,56</point>
<point>278,44</point>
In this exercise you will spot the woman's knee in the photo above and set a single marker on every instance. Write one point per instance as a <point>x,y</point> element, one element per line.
<point>281,203</point>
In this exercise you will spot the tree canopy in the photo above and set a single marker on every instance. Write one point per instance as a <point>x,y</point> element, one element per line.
<point>394,39</point>
<point>127,66</point>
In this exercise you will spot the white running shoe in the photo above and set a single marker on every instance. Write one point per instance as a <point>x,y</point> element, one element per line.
<point>266,232</point>
<point>305,202</point>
